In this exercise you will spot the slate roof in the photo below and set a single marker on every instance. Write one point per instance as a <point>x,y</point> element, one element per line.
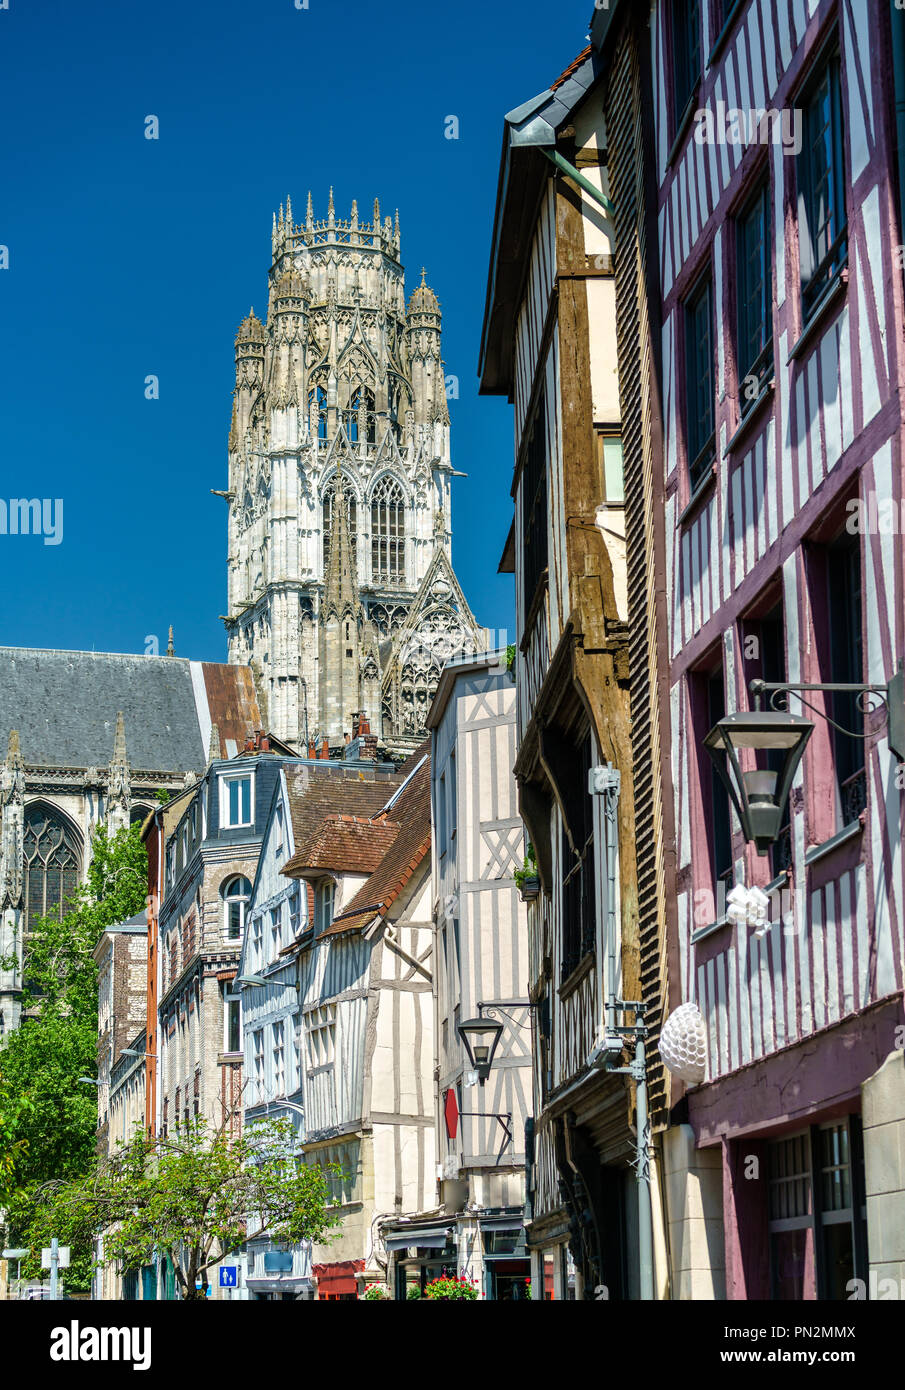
<point>64,705</point>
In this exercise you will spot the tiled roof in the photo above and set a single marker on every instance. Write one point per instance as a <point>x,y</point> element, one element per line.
<point>411,819</point>
<point>318,791</point>
<point>344,841</point>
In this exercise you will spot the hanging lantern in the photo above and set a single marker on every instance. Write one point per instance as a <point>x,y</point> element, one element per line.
<point>683,1044</point>
<point>480,1036</point>
<point>760,795</point>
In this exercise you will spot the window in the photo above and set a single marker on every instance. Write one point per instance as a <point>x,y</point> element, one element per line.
<point>235,904</point>
<point>52,858</point>
<point>295,912</point>
<point>686,40</point>
<point>846,657</point>
<point>276,929</point>
<point>235,803</point>
<point>821,188</point>
<point>534,502</point>
<point>817,1216</point>
<point>329,500</point>
<point>232,1021</point>
<point>317,400</point>
<point>442,831</point>
<point>279,1058</point>
<point>772,641</point>
<point>721,824</point>
<point>257,941</point>
<point>609,458</point>
<point>579,893</point>
<point>323,905</point>
<point>754,287</point>
<point>388,531</point>
<point>257,1053</point>
<point>352,416</point>
<point>699,382</point>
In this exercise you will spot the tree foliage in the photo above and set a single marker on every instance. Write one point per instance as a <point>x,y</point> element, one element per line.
<point>195,1197</point>
<point>48,1118</point>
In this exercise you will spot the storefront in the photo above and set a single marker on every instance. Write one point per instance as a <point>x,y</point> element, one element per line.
<point>338,1282</point>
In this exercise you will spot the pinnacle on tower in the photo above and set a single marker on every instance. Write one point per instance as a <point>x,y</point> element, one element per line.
<point>171,650</point>
<point>330,210</point>
<point>377,214</point>
<point>309,216</point>
<point>396,227</point>
<point>289,212</point>
<point>354,214</point>
<point>119,738</point>
<point>213,747</point>
<point>280,223</point>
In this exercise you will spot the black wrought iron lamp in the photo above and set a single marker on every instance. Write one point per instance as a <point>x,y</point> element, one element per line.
<point>759,795</point>
<point>480,1037</point>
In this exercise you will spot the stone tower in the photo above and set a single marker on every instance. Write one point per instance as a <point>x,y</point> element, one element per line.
<point>341,591</point>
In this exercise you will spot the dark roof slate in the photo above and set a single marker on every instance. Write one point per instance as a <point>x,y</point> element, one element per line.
<point>64,705</point>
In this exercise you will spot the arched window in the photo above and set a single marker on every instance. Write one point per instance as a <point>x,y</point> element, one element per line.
<point>319,396</point>
<point>388,532</point>
<point>352,416</point>
<point>236,893</point>
<point>351,514</point>
<point>52,861</point>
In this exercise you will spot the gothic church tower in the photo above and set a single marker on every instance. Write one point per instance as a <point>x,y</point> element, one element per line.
<point>341,590</point>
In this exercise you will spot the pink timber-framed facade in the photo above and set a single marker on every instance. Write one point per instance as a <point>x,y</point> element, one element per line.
<point>773,572</point>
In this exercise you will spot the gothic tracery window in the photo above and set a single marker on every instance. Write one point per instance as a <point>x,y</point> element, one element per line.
<point>318,397</point>
<point>388,532</point>
<point>329,500</point>
<point>420,678</point>
<point>52,861</point>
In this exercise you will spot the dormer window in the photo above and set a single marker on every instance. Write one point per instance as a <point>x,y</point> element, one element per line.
<point>235,800</point>
<point>324,898</point>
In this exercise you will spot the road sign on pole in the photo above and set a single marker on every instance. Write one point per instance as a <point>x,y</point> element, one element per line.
<point>229,1277</point>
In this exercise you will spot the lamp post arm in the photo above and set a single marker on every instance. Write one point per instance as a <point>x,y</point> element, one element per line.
<point>892,696</point>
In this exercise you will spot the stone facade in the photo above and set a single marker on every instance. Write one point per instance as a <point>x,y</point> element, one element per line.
<point>92,737</point>
<point>352,608</point>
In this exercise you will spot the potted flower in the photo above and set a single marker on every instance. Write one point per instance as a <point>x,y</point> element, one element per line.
<point>376,1293</point>
<point>451,1286</point>
<point>526,878</point>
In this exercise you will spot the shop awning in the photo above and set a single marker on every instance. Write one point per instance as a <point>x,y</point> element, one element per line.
<point>433,1237</point>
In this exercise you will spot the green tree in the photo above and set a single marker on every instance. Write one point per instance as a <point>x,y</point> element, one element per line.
<point>195,1197</point>
<point>48,1118</point>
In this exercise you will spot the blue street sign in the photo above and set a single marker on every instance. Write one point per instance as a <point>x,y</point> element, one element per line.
<point>229,1277</point>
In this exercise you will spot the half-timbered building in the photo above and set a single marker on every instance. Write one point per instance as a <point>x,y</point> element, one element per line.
<point>550,345</point>
<point>779,250</point>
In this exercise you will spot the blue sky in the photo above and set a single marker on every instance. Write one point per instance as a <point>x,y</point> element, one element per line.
<point>130,257</point>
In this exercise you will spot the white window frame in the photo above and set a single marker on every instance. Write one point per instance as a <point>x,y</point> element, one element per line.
<point>323,887</point>
<point>226,779</point>
<point>243,901</point>
<point>231,997</point>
